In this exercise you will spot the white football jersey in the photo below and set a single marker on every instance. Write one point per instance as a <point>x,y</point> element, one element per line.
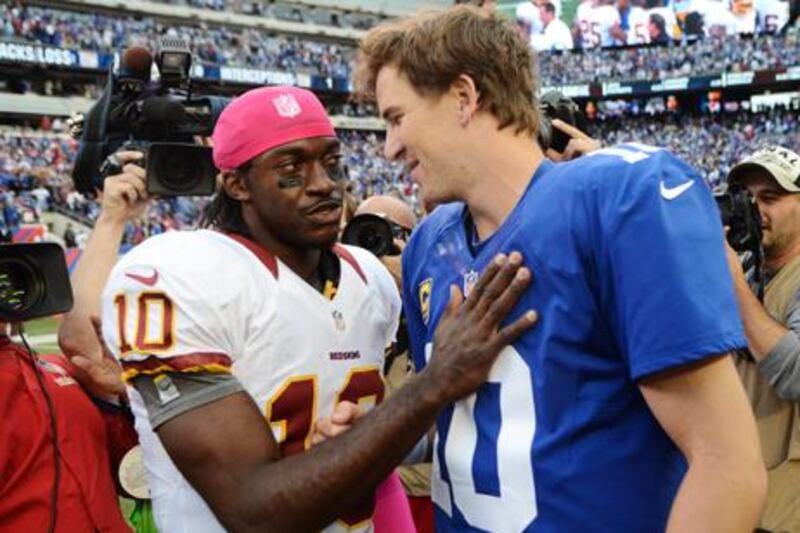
<point>715,14</point>
<point>601,20</point>
<point>583,18</point>
<point>204,301</point>
<point>638,32</point>
<point>773,15</point>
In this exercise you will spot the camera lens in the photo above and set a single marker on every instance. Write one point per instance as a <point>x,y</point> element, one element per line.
<point>371,238</point>
<point>370,232</point>
<point>20,288</point>
<point>176,171</point>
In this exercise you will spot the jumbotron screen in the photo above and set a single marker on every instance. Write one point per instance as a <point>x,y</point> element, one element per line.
<point>587,24</point>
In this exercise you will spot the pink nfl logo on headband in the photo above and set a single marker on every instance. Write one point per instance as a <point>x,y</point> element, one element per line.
<point>265,118</point>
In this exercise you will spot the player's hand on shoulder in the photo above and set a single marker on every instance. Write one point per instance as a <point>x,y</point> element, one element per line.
<point>344,415</point>
<point>469,337</point>
<point>124,196</point>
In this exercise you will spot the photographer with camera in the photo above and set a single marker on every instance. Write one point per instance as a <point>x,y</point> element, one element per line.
<point>383,224</point>
<point>55,443</point>
<point>771,369</point>
<point>123,199</point>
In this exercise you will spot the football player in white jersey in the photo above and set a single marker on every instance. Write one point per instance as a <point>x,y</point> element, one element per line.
<point>262,316</point>
<point>634,22</point>
<point>597,29</point>
<point>771,15</point>
<point>529,20</point>
<point>582,25</point>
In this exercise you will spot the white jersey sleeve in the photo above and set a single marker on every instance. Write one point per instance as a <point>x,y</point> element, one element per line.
<point>176,303</point>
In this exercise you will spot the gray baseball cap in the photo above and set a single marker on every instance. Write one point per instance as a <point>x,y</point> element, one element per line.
<point>781,163</point>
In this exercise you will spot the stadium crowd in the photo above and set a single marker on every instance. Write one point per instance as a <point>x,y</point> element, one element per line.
<point>288,12</point>
<point>221,45</point>
<point>35,167</point>
<point>258,49</point>
<point>703,57</point>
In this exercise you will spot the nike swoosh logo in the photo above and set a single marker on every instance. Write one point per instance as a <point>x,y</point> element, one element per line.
<point>670,193</point>
<point>150,280</point>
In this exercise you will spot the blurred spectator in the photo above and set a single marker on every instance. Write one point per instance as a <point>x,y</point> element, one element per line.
<point>69,237</point>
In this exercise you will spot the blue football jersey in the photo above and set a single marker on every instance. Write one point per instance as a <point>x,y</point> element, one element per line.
<point>629,279</point>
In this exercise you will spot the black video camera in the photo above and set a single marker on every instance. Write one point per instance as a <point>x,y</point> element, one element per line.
<point>555,105</point>
<point>33,281</point>
<point>161,118</point>
<point>740,215</point>
<point>375,234</point>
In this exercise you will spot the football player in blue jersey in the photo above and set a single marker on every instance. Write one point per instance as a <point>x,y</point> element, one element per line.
<point>622,410</point>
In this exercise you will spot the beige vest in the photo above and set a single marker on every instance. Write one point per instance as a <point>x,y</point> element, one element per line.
<point>778,420</point>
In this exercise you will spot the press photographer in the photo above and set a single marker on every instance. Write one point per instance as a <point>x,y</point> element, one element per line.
<point>159,116</point>
<point>561,133</point>
<point>771,370</point>
<point>54,448</point>
<point>382,225</point>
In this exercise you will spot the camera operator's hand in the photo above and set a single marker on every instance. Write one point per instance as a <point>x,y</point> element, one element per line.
<point>579,143</point>
<point>734,264</point>
<point>469,337</point>
<point>393,264</point>
<point>124,196</point>
<point>101,377</point>
<point>344,415</point>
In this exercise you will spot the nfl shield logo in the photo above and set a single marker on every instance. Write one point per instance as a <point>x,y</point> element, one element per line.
<point>338,319</point>
<point>470,279</point>
<point>287,106</point>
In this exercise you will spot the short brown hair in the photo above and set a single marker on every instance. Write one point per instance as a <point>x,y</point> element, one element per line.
<point>432,49</point>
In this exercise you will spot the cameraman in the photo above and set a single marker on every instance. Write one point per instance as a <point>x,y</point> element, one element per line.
<point>772,375</point>
<point>415,473</point>
<point>123,199</point>
<point>398,213</point>
<point>45,406</point>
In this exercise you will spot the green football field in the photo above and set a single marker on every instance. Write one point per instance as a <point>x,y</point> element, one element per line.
<point>41,334</point>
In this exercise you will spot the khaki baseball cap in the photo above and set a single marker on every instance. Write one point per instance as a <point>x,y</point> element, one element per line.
<point>781,163</point>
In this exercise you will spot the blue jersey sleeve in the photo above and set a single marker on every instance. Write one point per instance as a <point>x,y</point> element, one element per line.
<point>662,268</point>
<point>412,307</point>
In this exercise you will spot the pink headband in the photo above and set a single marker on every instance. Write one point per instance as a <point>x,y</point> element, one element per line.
<point>264,118</point>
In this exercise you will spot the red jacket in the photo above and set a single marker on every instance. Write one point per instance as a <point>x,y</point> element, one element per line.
<point>87,498</point>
